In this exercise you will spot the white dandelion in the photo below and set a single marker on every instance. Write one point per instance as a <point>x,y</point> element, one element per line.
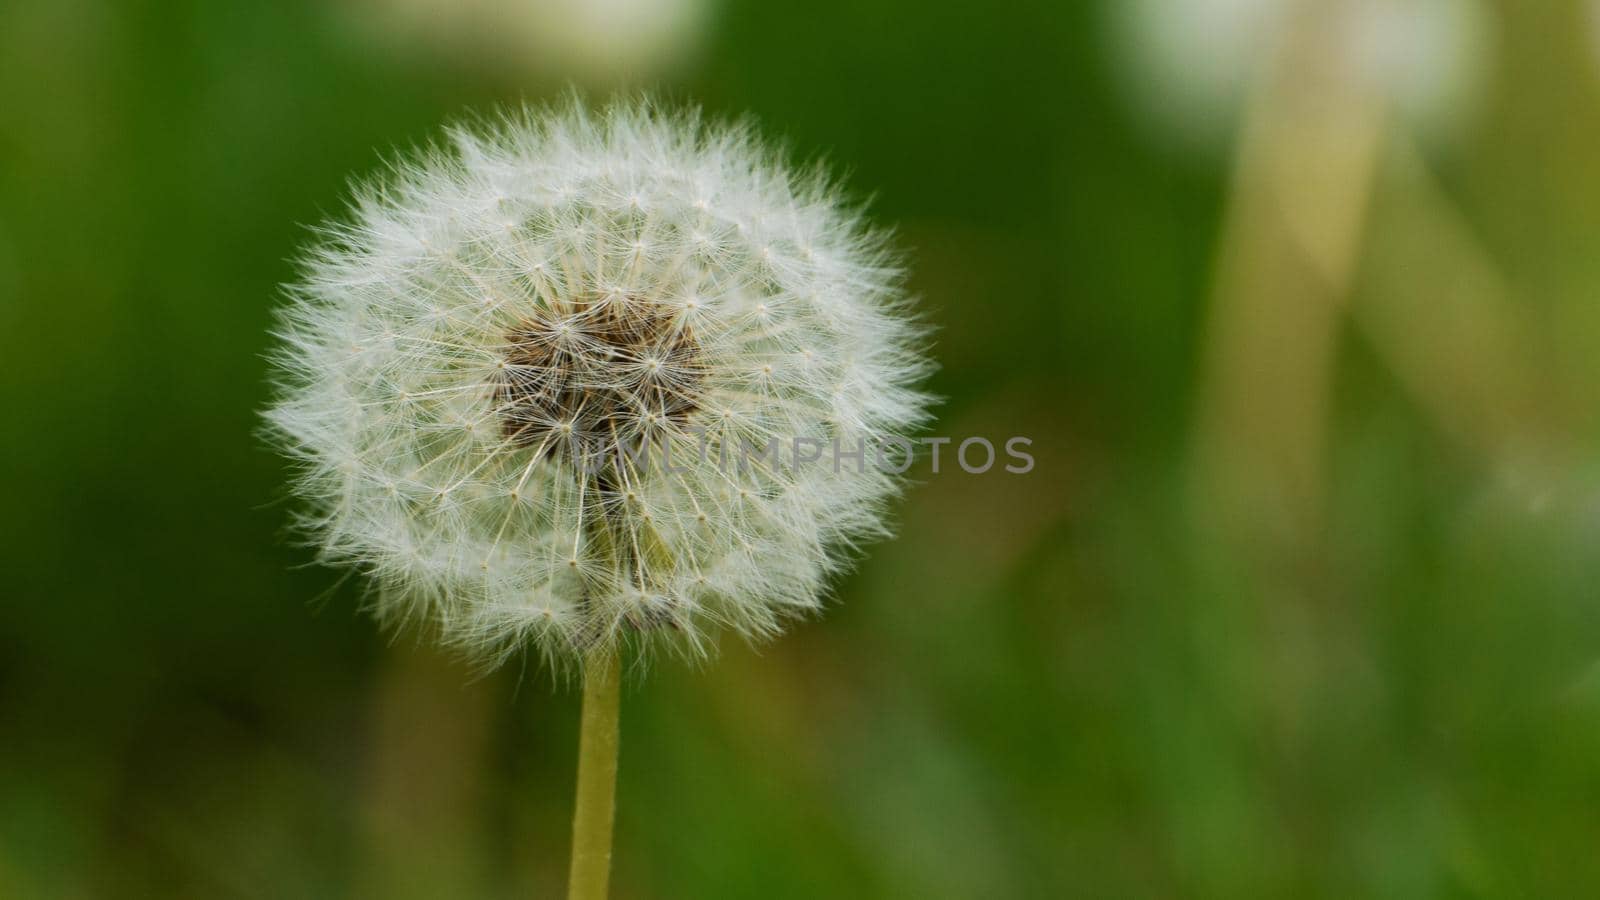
<point>539,383</point>
<point>530,383</point>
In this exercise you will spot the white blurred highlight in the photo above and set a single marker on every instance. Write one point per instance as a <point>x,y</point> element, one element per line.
<point>598,41</point>
<point>1190,65</point>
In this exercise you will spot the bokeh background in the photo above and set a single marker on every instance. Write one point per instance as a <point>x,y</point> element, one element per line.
<point>1298,301</point>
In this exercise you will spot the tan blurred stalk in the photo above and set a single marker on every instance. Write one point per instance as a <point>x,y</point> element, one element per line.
<point>1440,314</point>
<point>596,43</point>
<point>1301,185</point>
<point>1319,182</point>
<point>423,809</point>
<point>1322,185</point>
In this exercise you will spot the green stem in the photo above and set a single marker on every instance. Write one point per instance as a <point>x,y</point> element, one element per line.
<point>597,777</point>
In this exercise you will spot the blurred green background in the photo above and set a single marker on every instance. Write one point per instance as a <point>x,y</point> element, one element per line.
<point>1300,600</point>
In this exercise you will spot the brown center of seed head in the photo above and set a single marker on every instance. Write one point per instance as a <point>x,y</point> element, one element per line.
<point>603,375</point>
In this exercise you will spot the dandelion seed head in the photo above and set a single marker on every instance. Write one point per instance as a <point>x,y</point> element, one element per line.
<point>469,360</point>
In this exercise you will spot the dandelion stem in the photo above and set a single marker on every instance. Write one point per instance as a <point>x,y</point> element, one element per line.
<point>597,776</point>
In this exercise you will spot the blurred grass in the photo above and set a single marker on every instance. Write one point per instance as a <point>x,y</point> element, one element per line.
<point>1050,685</point>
